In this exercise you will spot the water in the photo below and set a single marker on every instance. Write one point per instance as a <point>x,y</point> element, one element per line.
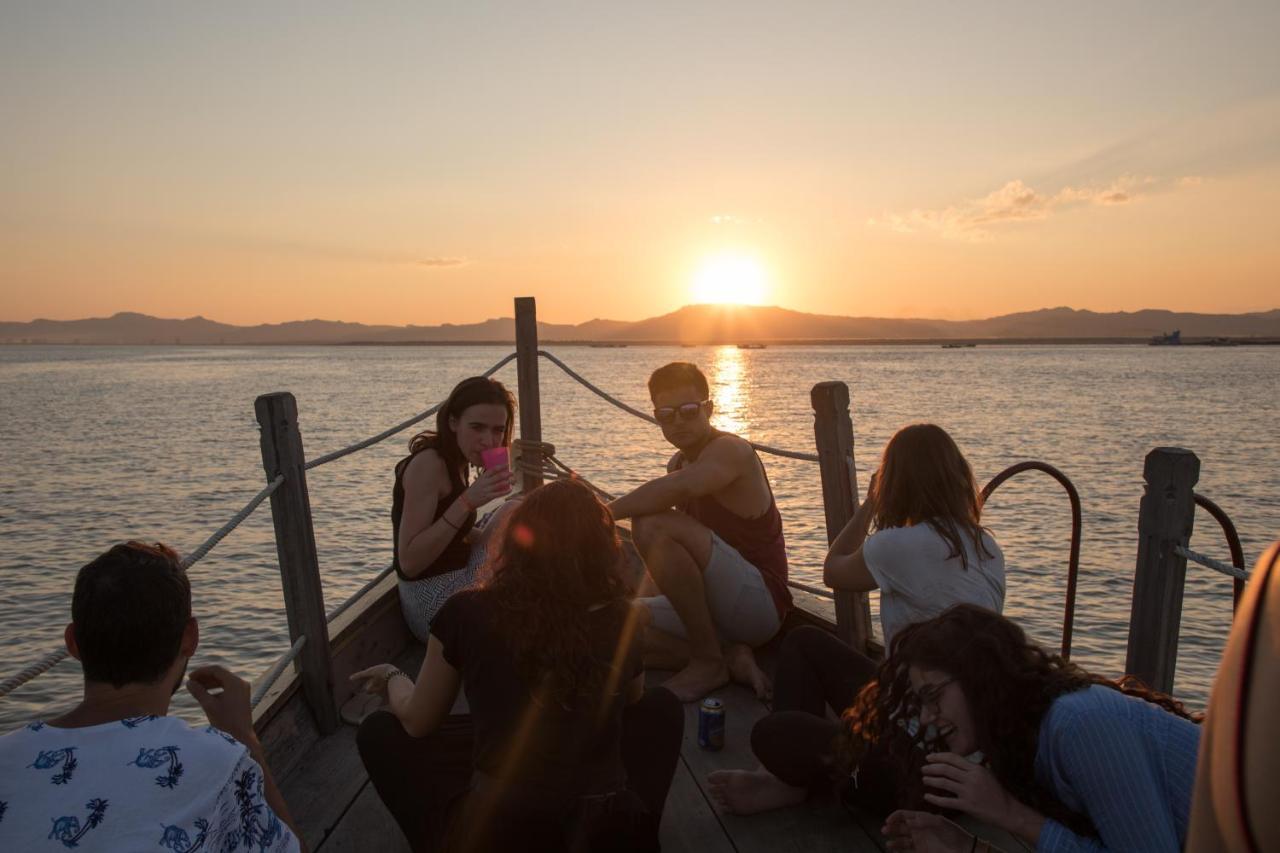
<point>160,443</point>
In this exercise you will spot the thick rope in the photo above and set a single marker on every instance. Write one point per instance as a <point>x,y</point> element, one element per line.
<point>40,667</point>
<point>265,684</point>
<point>609,398</point>
<point>198,554</point>
<point>400,427</point>
<point>346,605</point>
<point>812,590</point>
<point>1209,562</point>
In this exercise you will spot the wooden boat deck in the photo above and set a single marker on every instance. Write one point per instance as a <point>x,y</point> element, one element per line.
<point>338,810</point>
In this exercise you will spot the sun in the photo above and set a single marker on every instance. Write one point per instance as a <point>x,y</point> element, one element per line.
<point>729,278</point>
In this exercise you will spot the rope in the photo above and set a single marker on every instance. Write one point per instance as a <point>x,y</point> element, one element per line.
<point>403,425</point>
<point>198,554</point>
<point>270,679</point>
<point>812,590</point>
<point>609,398</point>
<point>40,667</point>
<point>1209,562</point>
<point>346,605</point>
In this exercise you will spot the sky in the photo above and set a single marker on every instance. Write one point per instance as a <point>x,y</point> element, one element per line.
<point>425,162</point>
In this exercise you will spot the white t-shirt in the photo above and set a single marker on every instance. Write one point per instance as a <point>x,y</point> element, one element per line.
<point>143,783</point>
<point>918,580</point>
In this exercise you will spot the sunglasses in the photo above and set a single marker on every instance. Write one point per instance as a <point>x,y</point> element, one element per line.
<point>684,412</point>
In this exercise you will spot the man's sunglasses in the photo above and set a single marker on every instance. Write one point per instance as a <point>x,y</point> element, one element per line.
<point>685,412</point>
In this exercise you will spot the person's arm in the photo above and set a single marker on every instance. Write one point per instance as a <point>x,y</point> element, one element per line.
<point>423,537</point>
<point>720,463</point>
<point>422,705</point>
<point>230,711</point>
<point>845,566</point>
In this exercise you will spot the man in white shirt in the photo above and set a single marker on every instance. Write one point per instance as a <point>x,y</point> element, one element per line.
<point>116,773</point>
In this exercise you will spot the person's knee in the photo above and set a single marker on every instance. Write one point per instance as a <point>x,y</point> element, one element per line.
<point>800,641</point>
<point>377,735</point>
<point>646,530</point>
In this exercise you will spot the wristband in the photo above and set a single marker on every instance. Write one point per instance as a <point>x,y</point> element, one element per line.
<point>399,672</point>
<point>446,520</point>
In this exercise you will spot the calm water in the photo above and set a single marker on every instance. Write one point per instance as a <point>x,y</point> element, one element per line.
<point>104,444</point>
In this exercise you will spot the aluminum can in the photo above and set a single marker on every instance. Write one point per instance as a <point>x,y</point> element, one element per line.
<point>711,724</point>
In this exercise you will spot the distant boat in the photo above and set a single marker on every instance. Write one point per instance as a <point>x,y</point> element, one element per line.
<point>607,346</point>
<point>958,346</point>
<point>1172,339</point>
<point>751,346</point>
<point>1222,342</point>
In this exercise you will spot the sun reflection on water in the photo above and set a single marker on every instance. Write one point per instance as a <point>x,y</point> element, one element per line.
<point>729,391</point>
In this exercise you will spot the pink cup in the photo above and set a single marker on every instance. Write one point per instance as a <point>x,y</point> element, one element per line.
<point>495,457</point>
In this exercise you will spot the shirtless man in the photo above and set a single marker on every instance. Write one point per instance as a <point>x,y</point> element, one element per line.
<point>711,538</point>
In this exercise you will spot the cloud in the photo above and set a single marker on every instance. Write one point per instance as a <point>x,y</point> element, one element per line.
<point>441,262</point>
<point>1016,201</point>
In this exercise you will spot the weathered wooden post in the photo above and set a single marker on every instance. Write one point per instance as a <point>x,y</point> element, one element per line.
<point>1165,517</point>
<point>296,550</point>
<point>527,389</point>
<point>833,432</point>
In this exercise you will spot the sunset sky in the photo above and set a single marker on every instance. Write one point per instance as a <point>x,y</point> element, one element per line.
<point>424,162</point>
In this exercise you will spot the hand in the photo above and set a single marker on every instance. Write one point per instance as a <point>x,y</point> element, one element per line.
<point>489,485</point>
<point>374,679</point>
<point>925,833</point>
<point>973,788</point>
<point>228,710</point>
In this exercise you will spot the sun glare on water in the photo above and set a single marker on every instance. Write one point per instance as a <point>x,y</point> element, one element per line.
<point>729,279</point>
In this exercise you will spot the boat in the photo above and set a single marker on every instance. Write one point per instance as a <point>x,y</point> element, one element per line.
<point>1172,339</point>
<point>305,708</point>
<point>958,346</point>
<point>607,346</point>
<point>752,346</point>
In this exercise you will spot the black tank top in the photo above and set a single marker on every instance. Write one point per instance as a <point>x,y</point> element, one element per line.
<point>457,552</point>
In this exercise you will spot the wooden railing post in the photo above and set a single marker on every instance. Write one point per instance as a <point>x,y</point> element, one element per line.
<point>527,389</point>
<point>296,550</point>
<point>833,432</point>
<point>1165,517</point>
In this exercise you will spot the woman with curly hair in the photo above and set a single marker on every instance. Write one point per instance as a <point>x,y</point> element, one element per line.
<point>1022,740</point>
<point>929,551</point>
<point>436,547</point>
<point>563,750</point>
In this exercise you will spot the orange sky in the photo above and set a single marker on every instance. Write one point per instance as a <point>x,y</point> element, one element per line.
<point>424,166</point>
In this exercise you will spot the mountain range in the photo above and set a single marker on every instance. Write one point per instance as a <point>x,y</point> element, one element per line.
<point>692,324</point>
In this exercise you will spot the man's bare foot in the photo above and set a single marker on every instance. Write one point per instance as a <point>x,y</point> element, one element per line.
<point>743,669</point>
<point>751,791</point>
<point>699,678</point>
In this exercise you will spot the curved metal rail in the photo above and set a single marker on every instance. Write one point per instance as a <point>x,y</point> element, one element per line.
<point>1233,542</point>
<point>1073,561</point>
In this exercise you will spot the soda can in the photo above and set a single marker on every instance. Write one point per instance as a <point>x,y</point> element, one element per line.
<point>711,724</point>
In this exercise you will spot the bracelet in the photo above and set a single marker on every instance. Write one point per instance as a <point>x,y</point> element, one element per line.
<point>397,671</point>
<point>446,520</point>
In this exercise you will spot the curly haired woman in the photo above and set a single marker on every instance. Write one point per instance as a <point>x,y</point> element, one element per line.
<point>1069,761</point>
<point>564,750</point>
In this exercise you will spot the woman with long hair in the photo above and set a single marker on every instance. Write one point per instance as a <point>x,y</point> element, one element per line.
<point>436,549</point>
<point>1068,760</point>
<point>563,749</point>
<point>929,551</point>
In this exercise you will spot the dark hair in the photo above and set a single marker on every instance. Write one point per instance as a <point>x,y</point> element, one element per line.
<point>1008,682</point>
<point>557,560</point>
<point>129,609</point>
<point>474,391</point>
<point>678,374</point>
<point>924,478</point>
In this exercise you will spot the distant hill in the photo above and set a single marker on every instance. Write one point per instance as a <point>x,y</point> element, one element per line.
<point>691,324</point>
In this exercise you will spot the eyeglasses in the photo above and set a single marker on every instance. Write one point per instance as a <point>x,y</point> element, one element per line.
<point>930,696</point>
<point>684,411</point>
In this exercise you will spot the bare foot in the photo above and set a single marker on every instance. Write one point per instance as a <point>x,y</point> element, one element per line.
<point>751,791</point>
<point>698,679</point>
<point>743,669</point>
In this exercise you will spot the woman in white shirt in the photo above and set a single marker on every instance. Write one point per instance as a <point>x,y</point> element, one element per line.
<point>929,551</point>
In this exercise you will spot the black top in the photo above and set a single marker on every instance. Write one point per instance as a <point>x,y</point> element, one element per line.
<point>458,551</point>
<point>568,751</point>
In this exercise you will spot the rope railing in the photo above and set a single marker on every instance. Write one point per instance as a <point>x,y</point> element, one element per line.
<point>40,667</point>
<point>631,410</point>
<point>1210,563</point>
<point>265,684</point>
<point>400,427</point>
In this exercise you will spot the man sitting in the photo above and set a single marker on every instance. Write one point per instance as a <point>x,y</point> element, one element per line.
<point>116,773</point>
<point>711,538</point>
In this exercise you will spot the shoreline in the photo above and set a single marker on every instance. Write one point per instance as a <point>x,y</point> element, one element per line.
<point>1204,341</point>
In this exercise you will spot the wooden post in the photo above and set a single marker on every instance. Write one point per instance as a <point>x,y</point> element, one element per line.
<point>833,432</point>
<point>1165,517</point>
<point>296,550</point>
<point>527,389</point>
